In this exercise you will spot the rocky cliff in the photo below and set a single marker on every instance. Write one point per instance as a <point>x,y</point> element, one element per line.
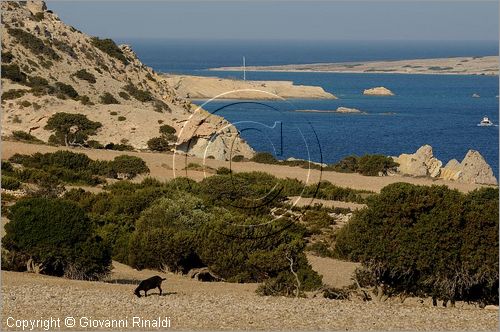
<point>472,169</point>
<point>50,67</point>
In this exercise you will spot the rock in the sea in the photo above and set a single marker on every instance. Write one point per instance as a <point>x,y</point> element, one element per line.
<point>473,169</point>
<point>347,110</point>
<point>378,91</point>
<point>420,163</point>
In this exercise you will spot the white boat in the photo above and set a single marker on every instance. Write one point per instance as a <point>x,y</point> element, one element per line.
<point>485,122</point>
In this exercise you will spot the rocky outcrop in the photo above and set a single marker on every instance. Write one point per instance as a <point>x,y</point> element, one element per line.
<point>420,163</point>
<point>348,110</point>
<point>51,53</point>
<point>472,169</point>
<point>378,91</point>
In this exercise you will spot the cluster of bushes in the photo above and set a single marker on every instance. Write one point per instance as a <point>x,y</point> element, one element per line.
<point>109,47</point>
<point>33,43</point>
<point>70,167</point>
<point>427,241</point>
<point>182,224</point>
<point>140,95</point>
<point>165,141</point>
<point>370,165</point>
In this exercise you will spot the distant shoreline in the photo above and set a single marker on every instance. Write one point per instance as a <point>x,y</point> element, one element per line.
<point>484,65</point>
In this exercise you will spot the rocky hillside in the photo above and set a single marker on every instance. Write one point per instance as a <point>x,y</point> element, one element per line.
<point>50,67</point>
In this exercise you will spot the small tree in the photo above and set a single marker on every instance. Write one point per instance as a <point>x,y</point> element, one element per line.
<point>129,165</point>
<point>158,144</point>
<point>71,129</point>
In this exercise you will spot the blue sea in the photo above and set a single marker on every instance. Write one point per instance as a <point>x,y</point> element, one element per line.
<point>428,109</point>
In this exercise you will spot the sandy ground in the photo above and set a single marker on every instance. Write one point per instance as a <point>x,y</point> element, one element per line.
<point>487,65</point>
<point>195,305</point>
<point>197,87</point>
<point>167,166</point>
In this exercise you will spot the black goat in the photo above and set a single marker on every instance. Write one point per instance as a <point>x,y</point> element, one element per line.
<point>150,283</point>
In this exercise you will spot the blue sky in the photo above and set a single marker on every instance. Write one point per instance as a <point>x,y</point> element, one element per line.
<point>299,20</point>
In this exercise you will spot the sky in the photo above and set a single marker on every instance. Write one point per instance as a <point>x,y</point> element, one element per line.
<point>281,19</point>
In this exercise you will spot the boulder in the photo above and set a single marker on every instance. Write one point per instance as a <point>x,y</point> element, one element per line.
<point>472,169</point>
<point>36,6</point>
<point>203,274</point>
<point>420,163</point>
<point>378,91</point>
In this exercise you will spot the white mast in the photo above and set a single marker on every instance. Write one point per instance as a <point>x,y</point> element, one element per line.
<point>244,70</point>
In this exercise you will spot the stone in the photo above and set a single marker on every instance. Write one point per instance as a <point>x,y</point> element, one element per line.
<point>420,163</point>
<point>378,91</point>
<point>472,169</point>
<point>36,6</point>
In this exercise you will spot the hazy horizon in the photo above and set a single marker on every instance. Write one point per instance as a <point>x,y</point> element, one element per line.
<point>285,20</point>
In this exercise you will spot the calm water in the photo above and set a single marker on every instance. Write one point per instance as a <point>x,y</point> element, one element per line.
<point>427,109</point>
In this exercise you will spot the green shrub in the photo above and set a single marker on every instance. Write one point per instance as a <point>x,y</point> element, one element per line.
<point>71,129</point>
<point>119,147</point>
<point>129,165</point>
<point>158,144</point>
<point>85,100</point>
<point>66,90</point>
<point>39,16</point>
<point>10,183</point>
<point>238,158</point>
<point>85,75</point>
<point>124,95</point>
<point>7,57</point>
<point>13,73</point>
<point>23,136</point>
<point>371,165</point>
<point>264,158</point>
<point>223,171</point>
<point>33,43</point>
<point>428,241</point>
<point>108,99</point>
<point>58,237</point>
<point>140,95</point>
<point>64,47</point>
<point>167,130</point>
<point>109,47</point>
<point>121,118</point>
<point>374,165</point>
<point>13,94</point>
<point>160,106</point>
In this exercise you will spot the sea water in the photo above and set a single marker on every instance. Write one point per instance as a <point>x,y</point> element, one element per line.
<point>427,109</point>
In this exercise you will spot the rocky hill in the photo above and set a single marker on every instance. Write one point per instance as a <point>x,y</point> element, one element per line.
<point>50,67</point>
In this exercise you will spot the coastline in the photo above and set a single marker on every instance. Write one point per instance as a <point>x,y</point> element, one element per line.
<point>201,87</point>
<point>485,65</point>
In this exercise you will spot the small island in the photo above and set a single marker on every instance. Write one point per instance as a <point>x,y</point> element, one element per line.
<point>378,91</point>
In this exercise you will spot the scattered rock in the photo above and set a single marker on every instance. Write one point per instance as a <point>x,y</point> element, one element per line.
<point>378,91</point>
<point>420,163</point>
<point>348,110</point>
<point>203,274</point>
<point>475,95</point>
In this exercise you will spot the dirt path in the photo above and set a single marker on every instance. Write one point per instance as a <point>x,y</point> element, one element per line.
<point>162,167</point>
<point>218,306</point>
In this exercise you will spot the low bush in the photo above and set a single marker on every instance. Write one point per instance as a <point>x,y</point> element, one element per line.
<point>140,95</point>
<point>23,136</point>
<point>129,165</point>
<point>13,94</point>
<point>124,95</point>
<point>71,129</point>
<point>33,43</point>
<point>121,118</point>
<point>159,144</point>
<point>66,90</point>
<point>264,158</point>
<point>10,183</point>
<point>238,158</point>
<point>108,99</point>
<point>167,130</point>
<point>109,47</point>
<point>85,75</point>
<point>371,165</point>
<point>13,73</point>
